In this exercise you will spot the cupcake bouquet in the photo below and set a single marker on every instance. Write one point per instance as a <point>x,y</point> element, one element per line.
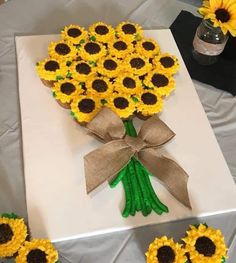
<point>117,68</point>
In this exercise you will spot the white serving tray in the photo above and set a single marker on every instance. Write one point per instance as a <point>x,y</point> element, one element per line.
<point>54,146</point>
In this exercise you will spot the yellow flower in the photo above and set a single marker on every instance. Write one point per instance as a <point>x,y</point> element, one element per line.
<point>167,63</point>
<point>100,87</point>
<point>147,47</point>
<point>160,81</point>
<point>84,108</point>
<point>128,83</point>
<point>74,34</point>
<point>13,233</point>
<point>62,50</point>
<point>122,104</point>
<point>137,64</point>
<point>205,244</point>
<point>65,90</point>
<point>109,67</point>
<point>92,51</point>
<point>130,31</point>
<point>165,250</point>
<point>81,70</point>
<point>120,48</point>
<point>37,250</point>
<point>222,13</point>
<point>51,69</point>
<point>149,103</point>
<point>102,32</point>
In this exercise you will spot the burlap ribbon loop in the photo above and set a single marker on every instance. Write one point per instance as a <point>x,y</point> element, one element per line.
<point>104,163</point>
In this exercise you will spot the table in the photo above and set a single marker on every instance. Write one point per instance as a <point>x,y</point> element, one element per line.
<point>32,17</point>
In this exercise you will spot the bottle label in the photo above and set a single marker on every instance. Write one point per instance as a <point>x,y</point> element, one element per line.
<point>205,48</point>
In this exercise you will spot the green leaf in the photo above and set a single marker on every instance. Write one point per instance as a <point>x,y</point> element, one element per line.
<point>137,37</point>
<point>69,75</point>
<point>78,46</point>
<point>93,63</point>
<point>92,38</point>
<point>103,101</point>
<point>68,63</point>
<point>54,94</point>
<point>59,77</point>
<point>72,114</point>
<point>11,215</point>
<point>82,84</point>
<point>135,99</point>
<point>82,41</point>
<point>223,260</point>
<point>197,225</point>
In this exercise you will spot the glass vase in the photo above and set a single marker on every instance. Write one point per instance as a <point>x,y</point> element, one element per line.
<point>208,43</point>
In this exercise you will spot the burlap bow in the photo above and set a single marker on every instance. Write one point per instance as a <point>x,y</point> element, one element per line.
<point>105,162</point>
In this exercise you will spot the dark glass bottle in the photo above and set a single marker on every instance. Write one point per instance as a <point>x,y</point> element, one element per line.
<point>208,43</point>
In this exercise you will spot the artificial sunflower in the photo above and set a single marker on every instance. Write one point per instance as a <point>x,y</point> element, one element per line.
<point>129,31</point>
<point>163,83</point>
<point>148,47</point>
<point>164,250</point>
<point>65,90</point>
<point>137,64</point>
<point>205,244</point>
<point>167,63</point>
<point>37,250</point>
<point>101,32</point>
<point>120,48</point>
<point>109,67</point>
<point>51,70</point>
<point>122,104</point>
<point>92,51</point>
<point>128,83</point>
<point>100,87</point>
<point>74,34</point>
<point>81,70</point>
<point>62,50</point>
<point>13,233</point>
<point>222,13</point>
<point>149,103</point>
<point>84,108</point>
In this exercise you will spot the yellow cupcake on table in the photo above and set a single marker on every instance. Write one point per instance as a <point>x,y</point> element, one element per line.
<point>84,108</point>
<point>149,103</point>
<point>37,250</point>
<point>51,70</point>
<point>164,250</point>
<point>122,104</point>
<point>130,31</point>
<point>74,34</point>
<point>120,48</point>
<point>92,51</point>
<point>159,80</point>
<point>81,70</point>
<point>128,83</point>
<point>62,50</point>
<point>147,47</point>
<point>65,90</point>
<point>99,86</point>
<point>167,63</point>
<point>205,244</point>
<point>109,67</point>
<point>13,233</point>
<point>101,32</point>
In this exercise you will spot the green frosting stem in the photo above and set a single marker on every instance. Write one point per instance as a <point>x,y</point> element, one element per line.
<point>118,178</point>
<point>126,211</point>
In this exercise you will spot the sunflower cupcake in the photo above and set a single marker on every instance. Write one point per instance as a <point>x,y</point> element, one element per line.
<point>13,233</point>
<point>100,87</point>
<point>166,62</point>
<point>137,64</point>
<point>81,70</point>
<point>149,103</point>
<point>74,34</point>
<point>65,90</point>
<point>37,250</point>
<point>84,108</point>
<point>122,104</point>
<point>120,48</point>
<point>62,50</point>
<point>164,250</point>
<point>50,70</point>
<point>109,67</point>
<point>92,51</point>
<point>101,32</point>
<point>128,83</point>
<point>147,47</point>
<point>130,31</point>
<point>160,81</point>
<point>205,244</point>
